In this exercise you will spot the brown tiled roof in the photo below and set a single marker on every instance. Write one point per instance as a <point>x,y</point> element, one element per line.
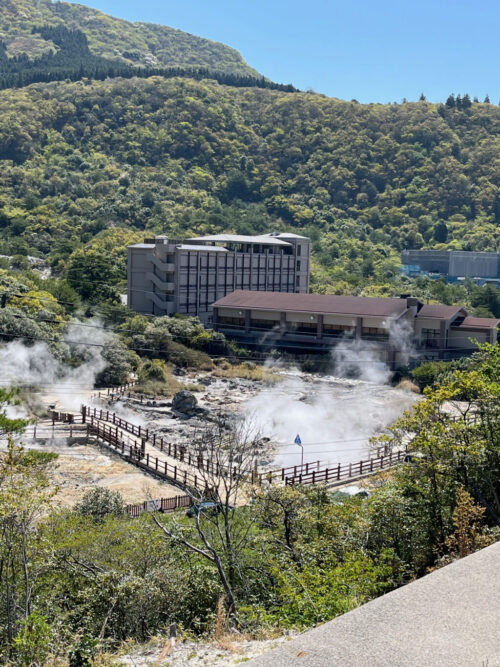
<point>439,311</point>
<point>479,323</point>
<point>313,303</point>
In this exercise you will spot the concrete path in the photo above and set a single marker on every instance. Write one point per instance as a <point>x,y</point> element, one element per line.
<point>450,618</point>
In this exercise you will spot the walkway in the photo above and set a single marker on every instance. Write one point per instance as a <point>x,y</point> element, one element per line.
<point>449,618</point>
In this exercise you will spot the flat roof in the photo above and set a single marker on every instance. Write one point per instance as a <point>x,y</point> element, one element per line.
<point>439,311</point>
<point>238,238</point>
<point>142,245</point>
<point>287,235</point>
<point>322,304</point>
<point>199,248</point>
<point>479,323</point>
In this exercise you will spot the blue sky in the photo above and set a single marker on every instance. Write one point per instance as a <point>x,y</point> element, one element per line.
<point>370,50</point>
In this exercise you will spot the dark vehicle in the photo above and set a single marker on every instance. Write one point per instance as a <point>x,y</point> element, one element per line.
<point>207,507</point>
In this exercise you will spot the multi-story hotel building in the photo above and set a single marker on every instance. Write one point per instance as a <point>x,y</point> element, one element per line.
<point>187,277</point>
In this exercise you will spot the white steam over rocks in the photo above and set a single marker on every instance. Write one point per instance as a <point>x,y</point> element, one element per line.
<point>334,417</point>
<point>37,365</point>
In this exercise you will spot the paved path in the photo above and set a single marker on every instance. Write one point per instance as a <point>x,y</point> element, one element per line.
<point>450,618</point>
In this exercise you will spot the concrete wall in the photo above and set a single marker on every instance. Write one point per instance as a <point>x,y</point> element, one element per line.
<point>435,261</point>
<point>460,337</point>
<point>472,264</point>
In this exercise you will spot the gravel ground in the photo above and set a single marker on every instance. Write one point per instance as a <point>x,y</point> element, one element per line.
<point>227,652</point>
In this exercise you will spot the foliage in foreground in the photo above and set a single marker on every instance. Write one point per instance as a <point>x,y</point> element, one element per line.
<point>83,580</point>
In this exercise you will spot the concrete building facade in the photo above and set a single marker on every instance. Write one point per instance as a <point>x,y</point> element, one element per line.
<point>166,276</point>
<point>453,265</point>
<point>315,322</point>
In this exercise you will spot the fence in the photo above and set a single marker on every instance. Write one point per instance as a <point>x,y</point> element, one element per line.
<point>180,453</point>
<point>113,391</point>
<point>173,450</point>
<point>162,505</point>
<point>348,470</point>
<point>139,457</point>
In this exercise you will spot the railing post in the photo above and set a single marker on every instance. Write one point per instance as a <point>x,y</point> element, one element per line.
<point>361,467</point>
<point>314,477</point>
<point>84,413</point>
<point>338,471</point>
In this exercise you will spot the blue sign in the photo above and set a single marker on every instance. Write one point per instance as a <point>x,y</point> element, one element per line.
<point>297,440</point>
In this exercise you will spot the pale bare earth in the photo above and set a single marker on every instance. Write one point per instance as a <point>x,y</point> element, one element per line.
<point>224,653</point>
<point>82,466</point>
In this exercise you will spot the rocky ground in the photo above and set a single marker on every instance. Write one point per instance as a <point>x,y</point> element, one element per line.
<point>228,651</point>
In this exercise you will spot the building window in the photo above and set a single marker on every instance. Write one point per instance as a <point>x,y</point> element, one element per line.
<point>375,333</point>
<point>338,330</point>
<point>431,337</point>
<point>298,265</point>
<point>233,322</point>
<point>302,327</point>
<point>299,250</point>
<point>263,324</point>
<point>297,281</point>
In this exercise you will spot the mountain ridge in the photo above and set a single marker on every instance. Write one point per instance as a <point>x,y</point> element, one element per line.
<point>138,44</point>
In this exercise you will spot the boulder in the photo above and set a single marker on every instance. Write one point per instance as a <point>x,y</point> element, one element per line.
<point>179,371</point>
<point>185,402</point>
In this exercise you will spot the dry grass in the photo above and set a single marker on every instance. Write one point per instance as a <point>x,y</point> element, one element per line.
<point>245,371</point>
<point>408,385</point>
<point>157,388</point>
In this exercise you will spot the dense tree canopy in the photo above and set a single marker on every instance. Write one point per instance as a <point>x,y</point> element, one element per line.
<point>187,157</point>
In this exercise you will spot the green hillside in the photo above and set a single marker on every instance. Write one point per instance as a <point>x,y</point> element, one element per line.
<point>185,157</point>
<point>139,44</point>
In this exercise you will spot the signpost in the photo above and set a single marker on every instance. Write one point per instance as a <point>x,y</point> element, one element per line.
<point>298,442</point>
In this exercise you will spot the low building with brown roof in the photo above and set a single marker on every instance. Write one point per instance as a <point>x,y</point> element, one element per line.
<point>316,322</point>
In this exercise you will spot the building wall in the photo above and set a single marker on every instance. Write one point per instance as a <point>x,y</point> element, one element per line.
<point>459,338</point>
<point>165,279</point>
<point>474,264</point>
<point>434,261</point>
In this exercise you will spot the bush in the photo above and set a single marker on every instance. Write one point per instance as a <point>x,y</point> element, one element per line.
<point>153,370</point>
<point>33,643</point>
<point>428,374</point>
<point>99,503</point>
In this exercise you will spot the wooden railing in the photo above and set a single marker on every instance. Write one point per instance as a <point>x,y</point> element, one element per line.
<point>137,455</point>
<point>173,450</point>
<point>107,416</point>
<point>162,505</point>
<point>348,470</point>
<point>113,391</point>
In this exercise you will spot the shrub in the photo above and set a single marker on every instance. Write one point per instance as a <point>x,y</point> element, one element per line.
<point>428,374</point>
<point>152,370</point>
<point>99,503</point>
<point>33,643</point>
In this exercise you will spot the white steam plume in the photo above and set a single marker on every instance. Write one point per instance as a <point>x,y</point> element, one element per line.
<point>335,417</point>
<point>36,365</point>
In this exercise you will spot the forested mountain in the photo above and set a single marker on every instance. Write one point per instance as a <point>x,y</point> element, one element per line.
<point>137,44</point>
<point>188,157</point>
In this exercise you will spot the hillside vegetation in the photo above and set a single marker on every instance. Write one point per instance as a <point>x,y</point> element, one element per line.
<point>128,43</point>
<point>190,157</point>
